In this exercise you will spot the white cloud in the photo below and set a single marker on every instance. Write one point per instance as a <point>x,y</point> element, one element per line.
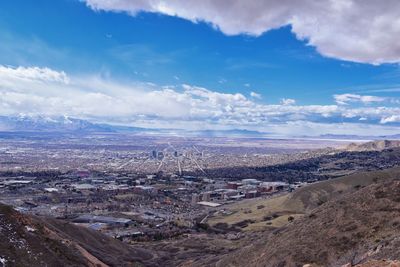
<point>255,95</point>
<point>222,81</point>
<point>344,99</point>
<point>355,30</point>
<point>33,74</point>
<point>288,101</point>
<point>312,128</point>
<point>42,91</point>
<point>393,118</point>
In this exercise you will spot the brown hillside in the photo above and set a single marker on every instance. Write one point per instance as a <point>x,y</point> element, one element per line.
<point>32,241</point>
<point>313,195</point>
<point>374,145</point>
<point>354,228</point>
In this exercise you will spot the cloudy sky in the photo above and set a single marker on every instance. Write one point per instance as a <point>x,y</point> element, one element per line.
<point>284,67</point>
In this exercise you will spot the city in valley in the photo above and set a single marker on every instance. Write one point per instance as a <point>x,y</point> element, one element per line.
<point>137,187</point>
<point>172,199</point>
<point>140,188</point>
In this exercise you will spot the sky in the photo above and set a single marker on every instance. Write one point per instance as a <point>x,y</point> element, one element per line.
<point>283,67</point>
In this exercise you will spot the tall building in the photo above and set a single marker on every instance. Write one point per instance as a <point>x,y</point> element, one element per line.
<point>206,197</point>
<point>195,198</point>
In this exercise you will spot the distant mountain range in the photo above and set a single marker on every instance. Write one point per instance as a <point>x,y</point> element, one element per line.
<point>65,124</point>
<point>56,124</point>
<point>358,137</point>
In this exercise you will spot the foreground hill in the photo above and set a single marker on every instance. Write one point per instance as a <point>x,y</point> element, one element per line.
<point>32,241</point>
<point>264,214</point>
<point>314,195</point>
<point>353,228</point>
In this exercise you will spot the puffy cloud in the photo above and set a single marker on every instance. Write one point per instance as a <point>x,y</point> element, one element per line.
<point>33,74</point>
<point>355,30</point>
<point>345,99</point>
<point>288,101</point>
<point>42,91</point>
<point>255,95</point>
<point>393,118</point>
<point>313,128</point>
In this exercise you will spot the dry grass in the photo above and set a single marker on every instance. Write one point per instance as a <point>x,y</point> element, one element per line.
<point>297,203</point>
<point>274,223</point>
<point>249,210</point>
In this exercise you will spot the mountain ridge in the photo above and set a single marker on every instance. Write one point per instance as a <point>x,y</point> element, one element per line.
<point>377,145</point>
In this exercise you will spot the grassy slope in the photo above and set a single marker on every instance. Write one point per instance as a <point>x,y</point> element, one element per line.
<point>355,228</point>
<point>299,202</point>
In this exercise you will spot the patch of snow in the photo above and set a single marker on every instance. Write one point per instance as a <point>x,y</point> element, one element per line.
<point>3,261</point>
<point>30,229</point>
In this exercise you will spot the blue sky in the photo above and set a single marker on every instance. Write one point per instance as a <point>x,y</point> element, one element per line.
<point>142,47</point>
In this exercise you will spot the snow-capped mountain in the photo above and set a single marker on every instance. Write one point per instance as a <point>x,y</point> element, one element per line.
<point>47,124</point>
